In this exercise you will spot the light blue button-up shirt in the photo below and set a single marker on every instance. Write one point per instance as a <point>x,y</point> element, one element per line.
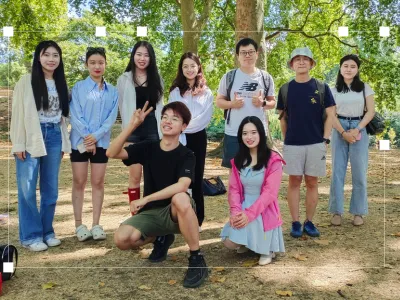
<point>93,111</point>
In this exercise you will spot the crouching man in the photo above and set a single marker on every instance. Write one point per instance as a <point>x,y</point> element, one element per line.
<point>166,207</point>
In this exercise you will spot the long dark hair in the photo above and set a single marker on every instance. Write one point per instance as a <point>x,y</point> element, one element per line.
<point>153,77</point>
<point>356,85</point>
<point>243,158</point>
<point>180,80</point>
<point>38,81</point>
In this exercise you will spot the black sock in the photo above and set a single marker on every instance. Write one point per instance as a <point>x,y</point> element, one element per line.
<point>195,252</point>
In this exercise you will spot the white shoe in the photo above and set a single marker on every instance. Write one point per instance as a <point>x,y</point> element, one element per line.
<point>98,233</point>
<point>53,242</point>
<point>200,230</point>
<point>242,249</point>
<point>82,233</point>
<point>266,259</point>
<point>36,247</point>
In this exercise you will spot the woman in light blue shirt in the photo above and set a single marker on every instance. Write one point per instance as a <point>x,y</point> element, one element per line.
<point>94,108</point>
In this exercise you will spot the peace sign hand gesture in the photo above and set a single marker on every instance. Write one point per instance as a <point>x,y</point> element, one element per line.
<point>139,115</point>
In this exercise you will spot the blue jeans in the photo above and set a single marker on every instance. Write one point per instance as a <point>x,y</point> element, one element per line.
<point>35,226</point>
<point>358,154</point>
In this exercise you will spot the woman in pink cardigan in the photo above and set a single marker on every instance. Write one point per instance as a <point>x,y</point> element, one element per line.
<point>255,219</point>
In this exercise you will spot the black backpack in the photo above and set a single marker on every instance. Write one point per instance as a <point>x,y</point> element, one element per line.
<point>7,253</point>
<point>284,93</point>
<point>230,78</point>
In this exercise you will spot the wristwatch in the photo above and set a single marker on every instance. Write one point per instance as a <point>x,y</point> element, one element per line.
<point>326,141</point>
<point>264,102</point>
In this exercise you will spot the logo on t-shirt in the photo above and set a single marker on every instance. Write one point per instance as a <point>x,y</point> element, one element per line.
<point>316,92</point>
<point>250,87</point>
<point>187,171</point>
<point>313,101</point>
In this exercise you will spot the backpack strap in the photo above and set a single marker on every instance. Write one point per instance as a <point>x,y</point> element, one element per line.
<point>284,93</point>
<point>230,78</point>
<point>266,86</point>
<point>321,91</point>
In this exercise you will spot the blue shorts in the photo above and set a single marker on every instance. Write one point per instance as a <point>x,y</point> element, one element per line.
<point>231,147</point>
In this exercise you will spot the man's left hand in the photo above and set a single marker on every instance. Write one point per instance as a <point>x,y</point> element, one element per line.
<point>258,100</point>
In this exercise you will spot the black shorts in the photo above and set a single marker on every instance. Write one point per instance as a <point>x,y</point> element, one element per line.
<point>99,158</point>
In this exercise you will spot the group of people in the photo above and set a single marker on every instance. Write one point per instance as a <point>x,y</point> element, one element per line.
<point>168,145</point>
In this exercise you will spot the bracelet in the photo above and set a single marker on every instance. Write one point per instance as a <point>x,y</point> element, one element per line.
<point>343,132</point>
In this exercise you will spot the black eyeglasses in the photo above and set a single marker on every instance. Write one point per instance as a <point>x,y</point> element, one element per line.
<point>96,49</point>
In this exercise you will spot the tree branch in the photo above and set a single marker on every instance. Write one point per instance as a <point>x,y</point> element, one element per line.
<point>205,13</point>
<point>223,9</point>
<point>316,36</point>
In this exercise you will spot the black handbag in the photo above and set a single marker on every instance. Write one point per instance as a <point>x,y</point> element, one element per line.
<point>213,186</point>
<point>377,124</point>
<point>7,253</point>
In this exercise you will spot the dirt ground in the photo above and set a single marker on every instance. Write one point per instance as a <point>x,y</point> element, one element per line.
<point>346,262</point>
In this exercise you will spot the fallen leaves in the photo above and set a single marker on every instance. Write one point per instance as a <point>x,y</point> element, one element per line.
<point>250,263</point>
<point>144,288</point>
<point>219,269</point>
<point>284,293</point>
<point>101,284</point>
<point>48,285</point>
<point>144,254</point>
<point>172,282</point>
<point>174,258</point>
<point>396,234</point>
<point>300,256</point>
<point>217,279</point>
<point>322,242</point>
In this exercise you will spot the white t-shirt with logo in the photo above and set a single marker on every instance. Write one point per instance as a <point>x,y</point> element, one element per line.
<point>351,104</point>
<point>246,86</point>
<point>53,114</point>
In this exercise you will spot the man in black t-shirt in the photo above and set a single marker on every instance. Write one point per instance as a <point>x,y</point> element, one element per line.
<point>166,207</point>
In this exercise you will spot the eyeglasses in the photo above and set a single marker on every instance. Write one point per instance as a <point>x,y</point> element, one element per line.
<point>96,49</point>
<point>245,53</point>
<point>165,118</point>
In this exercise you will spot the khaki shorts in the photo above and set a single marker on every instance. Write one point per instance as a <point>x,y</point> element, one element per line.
<point>155,221</point>
<point>305,160</point>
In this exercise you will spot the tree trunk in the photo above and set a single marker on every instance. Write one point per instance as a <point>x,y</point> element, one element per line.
<point>249,21</point>
<point>191,25</point>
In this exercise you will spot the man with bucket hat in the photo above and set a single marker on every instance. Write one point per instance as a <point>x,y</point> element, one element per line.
<point>306,110</point>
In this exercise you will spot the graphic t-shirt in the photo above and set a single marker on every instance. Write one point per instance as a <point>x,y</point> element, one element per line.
<point>53,114</point>
<point>246,86</point>
<point>160,168</point>
<point>351,104</point>
<point>305,125</point>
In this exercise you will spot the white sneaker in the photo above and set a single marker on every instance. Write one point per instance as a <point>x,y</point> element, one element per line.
<point>36,247</point>
<point>53,242</point>
<point>242,249</point>
<point>266,259</point>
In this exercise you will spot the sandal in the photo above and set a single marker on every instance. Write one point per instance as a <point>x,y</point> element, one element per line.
<point>82,233</point>
<point>98,233</point>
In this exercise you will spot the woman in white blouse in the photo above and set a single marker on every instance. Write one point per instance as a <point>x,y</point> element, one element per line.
<point>350,140</point>
<point>190,88</point>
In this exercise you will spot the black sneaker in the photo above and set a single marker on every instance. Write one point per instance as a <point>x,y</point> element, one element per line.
<point>196,273</point>
<point>161,246</point>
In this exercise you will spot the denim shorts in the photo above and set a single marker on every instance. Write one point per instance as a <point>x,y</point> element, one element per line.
<point>231,147</point>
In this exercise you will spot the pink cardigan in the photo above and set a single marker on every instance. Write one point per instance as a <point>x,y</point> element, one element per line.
<point>267,202</point>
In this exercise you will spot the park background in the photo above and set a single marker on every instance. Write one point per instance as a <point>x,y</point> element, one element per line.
<point>355,263</point>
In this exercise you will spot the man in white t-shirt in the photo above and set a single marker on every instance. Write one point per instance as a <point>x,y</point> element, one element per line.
<point>251,94</point>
